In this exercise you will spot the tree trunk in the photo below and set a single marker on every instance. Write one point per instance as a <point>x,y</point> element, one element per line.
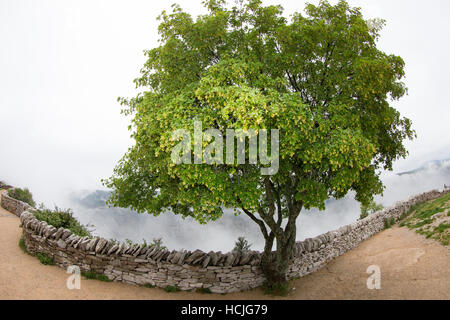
<point>275,264</point>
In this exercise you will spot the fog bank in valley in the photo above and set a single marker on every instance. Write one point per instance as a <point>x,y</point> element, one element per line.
<point>179,233</point>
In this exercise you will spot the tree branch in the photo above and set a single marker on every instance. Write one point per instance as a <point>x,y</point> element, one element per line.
<point>260,223</point>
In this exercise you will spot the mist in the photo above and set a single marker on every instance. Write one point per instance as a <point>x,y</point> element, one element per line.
<point>179,233</point>
<point>432,175</point>
<point>64,63</point>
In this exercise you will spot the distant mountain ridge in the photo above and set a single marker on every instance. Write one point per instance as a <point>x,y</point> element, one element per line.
<point>93,200</point>
<point>436,164</point>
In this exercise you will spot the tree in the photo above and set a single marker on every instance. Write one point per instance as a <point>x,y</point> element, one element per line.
<point>370,208</point>
<point>318,78</point>
<point>241,245</point>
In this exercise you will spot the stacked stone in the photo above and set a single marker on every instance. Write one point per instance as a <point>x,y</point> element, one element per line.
<point>139,264</point>
<point>220,272</point>
<point>13,205</point>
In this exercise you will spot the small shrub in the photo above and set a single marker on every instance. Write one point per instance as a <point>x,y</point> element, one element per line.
<point>129,242</point>
<point>22,195</point>
<point>157,242</point>
<point>241,245</point>
<point>45,259</point>
<point>171,289</point>
<point>22,245</point>
<point>91,275</point>
<point>114,241</point>
<point>203,290</point>
<point>388,223</point>
<point>149,285</point>
<point>370,208</point>
<point>62,218</point>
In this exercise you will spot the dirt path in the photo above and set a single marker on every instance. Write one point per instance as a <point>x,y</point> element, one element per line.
<point>411,268</point>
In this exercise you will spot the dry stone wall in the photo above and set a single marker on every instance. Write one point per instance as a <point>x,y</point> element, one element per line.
<point>13,205</point>
<point>312,254</point>
<point>220,272</point>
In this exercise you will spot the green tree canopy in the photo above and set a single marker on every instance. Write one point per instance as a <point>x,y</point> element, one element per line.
<point>317,77</point>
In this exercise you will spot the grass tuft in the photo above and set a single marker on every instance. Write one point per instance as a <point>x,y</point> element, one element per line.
<point>171,289</point>
<point>91,275</point>
<point>45,259</point>
<point>203,290</point>
<point>388,223</point>
<point>22,245</point>
<point>281,289</point>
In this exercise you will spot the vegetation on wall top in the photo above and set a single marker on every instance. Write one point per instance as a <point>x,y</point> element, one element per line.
<point>22,195</point>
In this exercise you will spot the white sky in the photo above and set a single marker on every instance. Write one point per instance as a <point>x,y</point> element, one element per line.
<point>64,63</point>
